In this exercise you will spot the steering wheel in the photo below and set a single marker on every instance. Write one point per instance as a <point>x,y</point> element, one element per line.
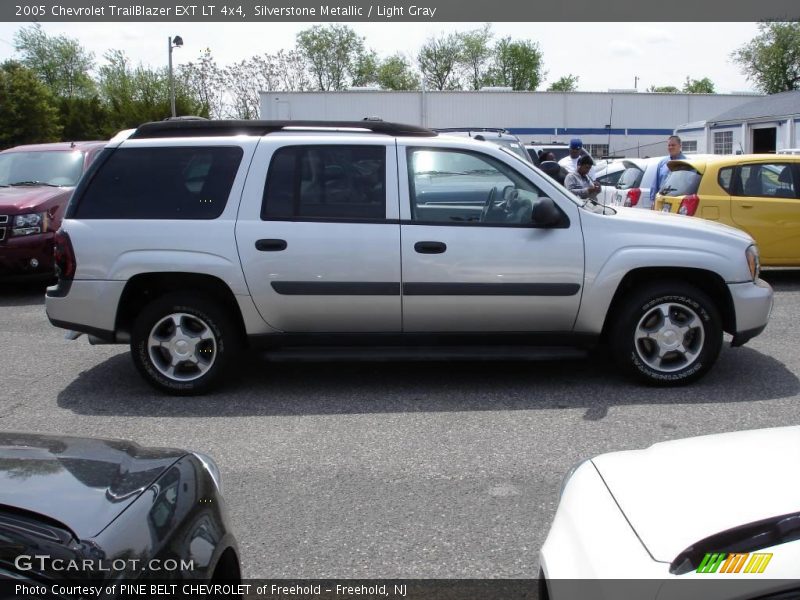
<point>510,194</point>
<point>487,206</point>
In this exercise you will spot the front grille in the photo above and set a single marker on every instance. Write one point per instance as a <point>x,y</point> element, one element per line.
<point>3,221</point>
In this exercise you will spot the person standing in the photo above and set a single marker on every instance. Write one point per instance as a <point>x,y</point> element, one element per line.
<point>675,153</point>
<point>570,162</point>
<point>579,182</point>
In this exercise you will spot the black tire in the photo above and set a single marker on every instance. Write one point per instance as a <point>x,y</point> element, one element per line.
<point>666,334</point>
<point>183,343</point>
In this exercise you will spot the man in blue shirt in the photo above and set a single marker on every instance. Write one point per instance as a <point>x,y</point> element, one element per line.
<point>674,149</point>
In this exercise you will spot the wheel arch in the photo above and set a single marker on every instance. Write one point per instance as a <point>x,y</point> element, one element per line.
<point>707,281</point>
<point>143,288</point>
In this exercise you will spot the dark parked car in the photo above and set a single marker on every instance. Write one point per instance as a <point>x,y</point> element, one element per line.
<point>89,511</point>
<point>35,183</point>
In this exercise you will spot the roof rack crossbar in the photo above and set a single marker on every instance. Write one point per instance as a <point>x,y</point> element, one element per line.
<point>198,128</point>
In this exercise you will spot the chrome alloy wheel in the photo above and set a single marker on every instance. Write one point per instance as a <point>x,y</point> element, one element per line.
<point>182,347</point>
<point>669,337</point>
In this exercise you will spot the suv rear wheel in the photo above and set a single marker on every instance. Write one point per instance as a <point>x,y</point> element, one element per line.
<point>667,334</point>
<point>183,343</point>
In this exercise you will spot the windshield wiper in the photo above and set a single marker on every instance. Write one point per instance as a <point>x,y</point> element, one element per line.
<point>666,190</point>
<point>33,182</point>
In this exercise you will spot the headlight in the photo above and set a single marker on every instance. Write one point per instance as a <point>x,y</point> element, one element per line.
<point>211,467</point>
<point>28,224</point>
<point>753,261</point>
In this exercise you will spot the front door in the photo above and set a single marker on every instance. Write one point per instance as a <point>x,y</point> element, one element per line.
<point>473,260</point>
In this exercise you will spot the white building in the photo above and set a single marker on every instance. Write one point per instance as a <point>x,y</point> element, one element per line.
<point>766,124</point>
<point>619,123</point>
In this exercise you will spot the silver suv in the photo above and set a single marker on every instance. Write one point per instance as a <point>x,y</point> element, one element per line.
<point>195,241</point>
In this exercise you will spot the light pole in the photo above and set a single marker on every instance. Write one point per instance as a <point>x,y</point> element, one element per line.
<point>172,42</point>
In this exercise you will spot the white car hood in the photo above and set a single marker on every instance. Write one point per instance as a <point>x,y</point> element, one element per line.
<point>677,493</point>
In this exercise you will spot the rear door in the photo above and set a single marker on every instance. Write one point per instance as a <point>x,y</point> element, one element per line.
<point>318,234</point>
<point>767,206</point>
<point>473,260</point>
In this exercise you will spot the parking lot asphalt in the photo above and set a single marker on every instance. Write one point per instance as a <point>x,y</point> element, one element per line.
<point>392,469</point>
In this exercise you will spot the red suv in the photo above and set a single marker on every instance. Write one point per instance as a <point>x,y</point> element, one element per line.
<point>35,183</point>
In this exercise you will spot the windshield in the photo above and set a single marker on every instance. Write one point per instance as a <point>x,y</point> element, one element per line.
<point>514,146</point>
<point>682,182</point>
<point>58,168</point>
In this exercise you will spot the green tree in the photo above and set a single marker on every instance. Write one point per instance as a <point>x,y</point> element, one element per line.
<point>439,59</point>
<point>663,89</point>
<point>60,62</point>
<point>476,54</point>
<point>568,83</point>
<point>517,64</point>
<point>331,53</point>
<point>698,86</point>
<point>136,95</point>
<point>771,60</point>
<point>27,111</point>
<point>205,81</point>
<point>365,68</point>
<point>394,73</point>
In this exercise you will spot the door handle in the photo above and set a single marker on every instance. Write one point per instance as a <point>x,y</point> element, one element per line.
<point>430,247</point>
<point>746,205</point>
<point>271,245</point>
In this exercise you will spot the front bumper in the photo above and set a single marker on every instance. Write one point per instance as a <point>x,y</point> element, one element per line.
<point>27,255</point>
<point>752,304</point>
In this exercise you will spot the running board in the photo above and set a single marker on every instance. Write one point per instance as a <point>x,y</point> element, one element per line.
<point>428,353</point>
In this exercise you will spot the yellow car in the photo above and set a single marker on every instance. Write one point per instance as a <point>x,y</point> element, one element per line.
<point>754,192</point>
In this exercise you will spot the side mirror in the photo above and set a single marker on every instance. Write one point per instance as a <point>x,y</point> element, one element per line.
<point>545,213</point>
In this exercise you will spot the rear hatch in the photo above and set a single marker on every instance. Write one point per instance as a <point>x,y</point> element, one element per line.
<point>628,192</point>
<point>678,194</point>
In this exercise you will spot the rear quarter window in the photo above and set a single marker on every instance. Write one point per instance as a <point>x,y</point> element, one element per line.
<point>161,183</point>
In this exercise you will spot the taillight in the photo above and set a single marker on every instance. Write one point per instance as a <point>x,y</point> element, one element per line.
<point>689,205</point>
<point>64,255</point>
<point>632,197</point>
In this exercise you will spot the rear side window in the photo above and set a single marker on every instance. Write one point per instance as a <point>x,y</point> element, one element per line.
<point>681,183</point>
<point>161,183</point>
<point>326,182</point>
<point>767,181</point>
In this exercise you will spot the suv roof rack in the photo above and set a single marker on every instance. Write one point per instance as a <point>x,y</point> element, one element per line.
<point>198,128</point>
<point>495,129</point>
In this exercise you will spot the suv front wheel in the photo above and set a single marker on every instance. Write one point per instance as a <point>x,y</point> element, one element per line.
<point>183,343</point>
<point>667,334</point>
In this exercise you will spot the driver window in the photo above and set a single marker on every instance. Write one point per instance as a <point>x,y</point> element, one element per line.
<point>462,187</point>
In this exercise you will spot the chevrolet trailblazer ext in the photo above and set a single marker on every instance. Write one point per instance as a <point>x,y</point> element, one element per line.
<point>195,240</point>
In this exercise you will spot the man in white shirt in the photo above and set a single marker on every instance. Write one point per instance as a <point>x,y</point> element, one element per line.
<point>570,162</point>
